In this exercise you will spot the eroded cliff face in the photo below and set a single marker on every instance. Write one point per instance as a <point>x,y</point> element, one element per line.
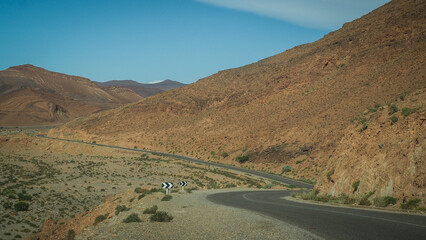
<point>385,153</point>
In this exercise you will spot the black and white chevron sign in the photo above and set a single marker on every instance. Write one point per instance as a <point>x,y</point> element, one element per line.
<point>167,185</point>
<point>183,183</point>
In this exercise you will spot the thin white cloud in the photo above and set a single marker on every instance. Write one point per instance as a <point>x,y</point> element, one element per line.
<point>319,14</point>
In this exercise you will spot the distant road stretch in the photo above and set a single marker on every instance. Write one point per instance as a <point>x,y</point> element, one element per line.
<point>194,160</point>
<point>328,222</point>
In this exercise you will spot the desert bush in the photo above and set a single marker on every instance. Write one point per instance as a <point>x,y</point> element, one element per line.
<point>21,206</point>
<point>24,197</point>
<point>225,154</point>
<point>161,216</point>
<point>167,198</point>
<point>355,185</point>
<point>411,204</point>
<point>141,196</point>
<point>71,235</point>
<point>286,169</point>
<point>384,201</point>
<point>151,210</point>
<point>407,111</point>
<point>134,217</point>
<point>393,109</point>
<point>268,186</point>
<point>329,174</point>
<point>364,200</point>
<point>7,205</point>
<point>241,159</point>
<point>364,125</point>
<point>121,208</point>
<point>394,119</point>
<point>100,218</point>
<point>140,190</point>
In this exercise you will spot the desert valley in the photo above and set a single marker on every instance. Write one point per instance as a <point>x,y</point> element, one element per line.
<point>344,115</point>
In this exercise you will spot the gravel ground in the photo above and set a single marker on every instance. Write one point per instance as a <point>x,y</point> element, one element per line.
<point>194,218</point>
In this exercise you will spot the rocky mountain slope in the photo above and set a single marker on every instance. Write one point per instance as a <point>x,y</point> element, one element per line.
<point>291,112</point>
<point>143,89</point>
<point>34,96</point>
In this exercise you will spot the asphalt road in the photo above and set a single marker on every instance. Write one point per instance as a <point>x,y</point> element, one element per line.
<point>194,160</point>
<point>328,222</point>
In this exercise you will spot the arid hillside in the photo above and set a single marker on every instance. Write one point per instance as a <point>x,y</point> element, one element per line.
<point>291,110</point>
<point>34,96</point>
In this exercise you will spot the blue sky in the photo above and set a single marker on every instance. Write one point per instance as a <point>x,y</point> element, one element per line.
<point>151,40</point>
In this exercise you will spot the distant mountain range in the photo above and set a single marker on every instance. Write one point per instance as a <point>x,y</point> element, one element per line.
<point>143,89</point>
<point>31,95</point>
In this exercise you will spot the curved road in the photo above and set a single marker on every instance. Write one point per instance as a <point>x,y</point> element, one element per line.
<point>194,160</point>
<point>328,222</point>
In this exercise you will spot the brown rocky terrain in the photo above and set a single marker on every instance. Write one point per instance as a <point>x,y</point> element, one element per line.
<point>34,96</point>
<point>294,110</point>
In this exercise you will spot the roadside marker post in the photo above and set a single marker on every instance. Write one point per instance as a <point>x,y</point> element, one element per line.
<point>183,184</point>
<point>167,186</point>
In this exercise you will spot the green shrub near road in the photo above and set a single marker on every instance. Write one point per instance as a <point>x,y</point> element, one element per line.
<point>364,200</point>
<point>355,185</point>
<point>161,216</point>
<point>151,210</point>
<point>411,204</point>
<point>134,217</point>
<point>384,201</point>
<point>241,159</point>
<point>286,169</point>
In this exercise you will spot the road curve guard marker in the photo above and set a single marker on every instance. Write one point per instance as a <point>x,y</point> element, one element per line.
<point>183,184</point>
<point>167,186</point>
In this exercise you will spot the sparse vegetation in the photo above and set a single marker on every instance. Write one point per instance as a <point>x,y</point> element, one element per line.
<point>364,125</point>
<point>329,174</point>
<point>384,201</point>
<point>241,159</point>
<point>411,204</point>
<point>394,119</point>
<point>134,217</point>
<point>71,235</point>
<point>21,206</point>
<point>100,218</point>
<point>365,200</point>
<point>286,169</point>
<point>408,111</point>
<point>121,208</point>
<point>355,185</point>
<point>161,216</point>
<point>151,210</point>
<point>393,109</point>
